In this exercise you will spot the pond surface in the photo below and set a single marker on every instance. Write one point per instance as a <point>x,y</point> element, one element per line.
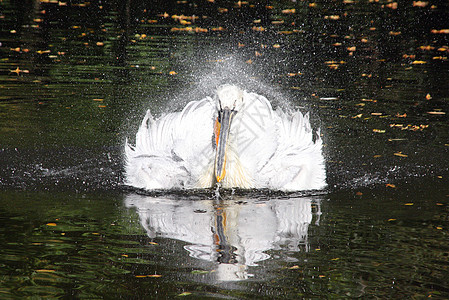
<point>76,78</point>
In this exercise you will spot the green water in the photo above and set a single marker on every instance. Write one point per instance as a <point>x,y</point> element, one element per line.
<point>374,77</point>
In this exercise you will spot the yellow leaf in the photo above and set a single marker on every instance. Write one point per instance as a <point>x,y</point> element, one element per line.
<point>420,3</point>
<point>289,11</point>
<point>391,220</point>
<point>51,224</point>
<point>400,154</point>
<point>45,271</point>
<point>294,267</point>
<point>408,204</point>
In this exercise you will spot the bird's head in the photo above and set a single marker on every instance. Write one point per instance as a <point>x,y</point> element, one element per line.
<point>229,99</point>
<point>229,96</point>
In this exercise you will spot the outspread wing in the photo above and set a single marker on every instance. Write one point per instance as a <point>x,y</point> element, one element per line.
<point>274,149</point>
<point>298,162</point>
<point>173,151</point>
<point>253,136</point>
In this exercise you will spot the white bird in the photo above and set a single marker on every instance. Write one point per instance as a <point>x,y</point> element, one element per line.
<point>234,139</point>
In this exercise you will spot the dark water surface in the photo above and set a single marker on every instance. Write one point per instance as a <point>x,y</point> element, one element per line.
<point>77,77</point>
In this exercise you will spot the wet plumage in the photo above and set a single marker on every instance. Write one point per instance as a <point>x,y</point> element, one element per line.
<point>234,139</point>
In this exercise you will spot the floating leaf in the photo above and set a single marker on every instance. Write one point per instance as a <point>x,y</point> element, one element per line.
<point>151,276</point>
<point>391,220</point>
<point>258,28</point>
<point>390,185</point>
<point>294,267</point>
<point>184,294</point>
<point>45,271</point>
<point>409,204</point>
<point>441,31</point>
<point>400,154</point>
<point>289,11</point>
<point>333,17</point>
<point>420,3</point>
<point>392,5</point>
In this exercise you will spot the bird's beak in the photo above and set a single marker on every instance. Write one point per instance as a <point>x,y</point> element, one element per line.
<point>221,130</point>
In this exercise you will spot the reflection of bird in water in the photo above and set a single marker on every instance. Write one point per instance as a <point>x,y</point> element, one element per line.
<point>236,233</point>
<point>235,139</point>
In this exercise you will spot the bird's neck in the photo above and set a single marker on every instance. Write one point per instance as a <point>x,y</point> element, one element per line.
<point>236,173</point>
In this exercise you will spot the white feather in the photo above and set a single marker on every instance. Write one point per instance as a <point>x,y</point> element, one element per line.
<point>267,148</point>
